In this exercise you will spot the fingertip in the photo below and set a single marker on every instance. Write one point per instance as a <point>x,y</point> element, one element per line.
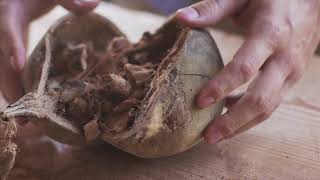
<point>204,101</point>
<point>187,15</point>
<point>212,135</point>
<point>191,17</point>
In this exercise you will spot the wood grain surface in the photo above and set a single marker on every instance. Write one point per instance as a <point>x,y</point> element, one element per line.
<point>286,146</point>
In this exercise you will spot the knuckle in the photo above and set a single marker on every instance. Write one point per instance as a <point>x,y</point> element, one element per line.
<point>273,37</point>
<point>298,67</point>
<point>288,26</point>
<point>228,126</point>
<point>213,4</point>
<point>226,129</point>
<point>273,34</point>
<point>295,75</point>
<point>261,103</point>
<point>296,71</point>
<point>207,8</point>
<point>247,70</point>
<point>286,62</point>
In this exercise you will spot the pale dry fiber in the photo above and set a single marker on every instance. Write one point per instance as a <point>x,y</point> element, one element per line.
<point>284,147</point>
<point>141,95</point>
<point>2,102</point>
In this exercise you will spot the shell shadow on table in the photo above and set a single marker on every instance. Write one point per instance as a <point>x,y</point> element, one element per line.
<point>102,161</point>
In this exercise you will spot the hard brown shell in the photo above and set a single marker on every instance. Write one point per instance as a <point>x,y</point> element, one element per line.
<point>168,122</point>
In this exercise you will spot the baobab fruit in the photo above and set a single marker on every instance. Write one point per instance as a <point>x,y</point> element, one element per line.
<point>85,80</point>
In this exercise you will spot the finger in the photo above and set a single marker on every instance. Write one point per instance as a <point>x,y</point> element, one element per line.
<point>10,82</point>
<point>12,59</point>
<point>251,124</point>
<point>262,117</point>
<point>208,12</point>
<point>259,101</point>
<point>79,6</point>
<point>243,67</point>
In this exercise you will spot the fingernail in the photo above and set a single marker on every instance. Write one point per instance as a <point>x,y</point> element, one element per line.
<point>189,13</point>
<point>205,101</point>
<point>214,137</point>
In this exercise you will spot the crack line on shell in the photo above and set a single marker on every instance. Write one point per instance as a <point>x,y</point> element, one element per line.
<point>190,74</point>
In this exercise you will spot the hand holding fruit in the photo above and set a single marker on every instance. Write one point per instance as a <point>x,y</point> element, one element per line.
<point>281,36</point>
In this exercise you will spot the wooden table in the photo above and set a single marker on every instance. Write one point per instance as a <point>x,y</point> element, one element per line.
<point>287,146</point>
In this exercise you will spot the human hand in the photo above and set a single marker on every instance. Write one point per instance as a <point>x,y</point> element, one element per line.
<point>36,152</point>
<point>15,16</point>
<point>281,36</point>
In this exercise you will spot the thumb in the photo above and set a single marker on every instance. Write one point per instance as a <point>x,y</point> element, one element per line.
<point>208,12</point>
<point>79,6</point>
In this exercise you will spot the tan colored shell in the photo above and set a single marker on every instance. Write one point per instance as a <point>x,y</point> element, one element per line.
<point>168,122</point>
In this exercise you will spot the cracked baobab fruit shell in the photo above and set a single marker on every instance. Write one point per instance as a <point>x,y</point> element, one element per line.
<point>167,121</point>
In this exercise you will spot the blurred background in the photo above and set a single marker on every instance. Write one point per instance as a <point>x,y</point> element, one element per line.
<point>167,7</point>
